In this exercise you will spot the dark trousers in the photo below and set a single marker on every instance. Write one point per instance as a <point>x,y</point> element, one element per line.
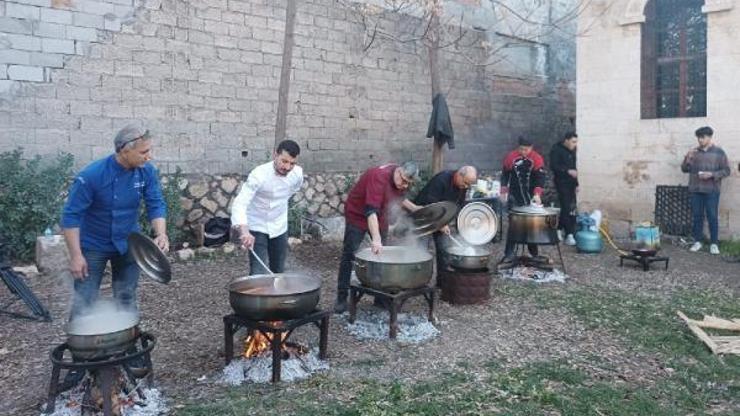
<point>509,250</point>
<point>568,208</point>
<point>353,237</point>
<point>705,203</point>
<point>439,247</point>
<point>125,278</point>
<point>272,251</point>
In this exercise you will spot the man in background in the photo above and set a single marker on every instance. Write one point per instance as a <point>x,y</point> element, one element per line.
<point>706,165</point>
<point>564,168</point>
<point>522,182</point>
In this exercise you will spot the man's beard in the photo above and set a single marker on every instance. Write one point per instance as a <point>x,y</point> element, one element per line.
<point>280,172</point>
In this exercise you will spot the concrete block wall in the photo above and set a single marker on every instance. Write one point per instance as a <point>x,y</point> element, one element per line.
<point>203,76</point>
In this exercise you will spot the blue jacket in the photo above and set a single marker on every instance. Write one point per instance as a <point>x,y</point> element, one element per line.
<point>104,203</point>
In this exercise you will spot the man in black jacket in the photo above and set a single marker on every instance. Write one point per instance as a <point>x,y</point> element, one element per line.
<point>447,185</point>
<point>564,168</point>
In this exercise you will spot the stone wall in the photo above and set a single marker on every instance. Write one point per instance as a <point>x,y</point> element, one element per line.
<point>203,77</point>
<point>208,196</point>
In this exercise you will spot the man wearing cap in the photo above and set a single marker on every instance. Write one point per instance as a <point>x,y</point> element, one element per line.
<point>260,210</point>
<point>103,209</point>
<point>447,185</point>
<point>366,212</point>
<point>522,181</point>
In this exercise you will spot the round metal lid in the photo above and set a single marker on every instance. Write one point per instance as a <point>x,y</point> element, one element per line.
<point>477,223</point>
<point>432,217</point>
<point>151,260</point>
<point>535,210</point>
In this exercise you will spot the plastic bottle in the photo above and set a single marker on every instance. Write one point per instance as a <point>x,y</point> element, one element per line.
<point>48,234</point>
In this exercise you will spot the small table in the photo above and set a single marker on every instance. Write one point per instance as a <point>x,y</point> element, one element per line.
<point>395,302</point>
<point>645,261</point>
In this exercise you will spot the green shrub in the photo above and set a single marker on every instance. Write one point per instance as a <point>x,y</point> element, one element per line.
<point>31,198</point>
<point>171,193</point>
<point>295,213</point>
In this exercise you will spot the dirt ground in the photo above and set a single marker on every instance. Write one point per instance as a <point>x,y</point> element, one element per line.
<point>186,317</point>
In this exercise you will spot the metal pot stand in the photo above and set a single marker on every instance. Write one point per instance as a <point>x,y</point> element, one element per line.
<point>523,260</point>
<point>274,330</point>
<point>393,301</point>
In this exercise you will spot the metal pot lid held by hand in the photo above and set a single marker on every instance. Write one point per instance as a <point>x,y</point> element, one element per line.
<point>477,223</point>
<point>151,260</point>
<point>432,217</point>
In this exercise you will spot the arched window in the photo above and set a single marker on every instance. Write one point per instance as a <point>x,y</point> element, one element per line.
<point>674,59</point>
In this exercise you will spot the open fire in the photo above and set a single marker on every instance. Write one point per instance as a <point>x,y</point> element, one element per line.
<point>258,344</point>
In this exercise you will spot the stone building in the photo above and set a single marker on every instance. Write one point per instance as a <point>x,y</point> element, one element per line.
<point>203,76</point>
<point>649,74</point>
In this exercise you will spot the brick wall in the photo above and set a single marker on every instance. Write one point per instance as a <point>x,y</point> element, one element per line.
<point>203,77</point>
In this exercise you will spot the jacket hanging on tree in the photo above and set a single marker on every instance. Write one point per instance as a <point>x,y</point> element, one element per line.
<point>440,125</point>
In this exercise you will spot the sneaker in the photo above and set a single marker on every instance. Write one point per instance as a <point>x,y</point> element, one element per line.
<point>569,240</point>
<point>714,249</point>
<point>696,247</point>
<point>560,235</point>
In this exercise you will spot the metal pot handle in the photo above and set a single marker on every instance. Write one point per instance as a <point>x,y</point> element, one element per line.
<point>360,265</point>
<point>289,302</point>
<point>552,221</point>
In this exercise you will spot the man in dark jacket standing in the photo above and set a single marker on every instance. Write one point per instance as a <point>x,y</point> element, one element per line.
<point>448,185</point>
<point>563,165</point>
<point>522,182</point>
<point>706,165</point>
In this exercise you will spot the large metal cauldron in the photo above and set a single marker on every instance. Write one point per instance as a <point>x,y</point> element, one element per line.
<point>395,268</point>
<point>274,297</point>
<point>468,258</point>
<point>533,225</point>
<point>98,336</point>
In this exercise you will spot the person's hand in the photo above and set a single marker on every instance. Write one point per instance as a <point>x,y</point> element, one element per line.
<point>376,246</point>
<point>573,173</point>
<point>504,194</point>
<point>536,200</point>
<point>247,239</point>
<point>705,175</point>
<point>163,242</point>
<point>78,267</point>
<point>445,230</point>
<point>690,156</point>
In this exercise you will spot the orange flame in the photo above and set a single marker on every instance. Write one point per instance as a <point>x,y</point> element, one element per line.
<point>257,343</point>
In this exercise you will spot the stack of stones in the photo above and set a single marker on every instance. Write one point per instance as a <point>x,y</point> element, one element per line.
<point>207,196</point>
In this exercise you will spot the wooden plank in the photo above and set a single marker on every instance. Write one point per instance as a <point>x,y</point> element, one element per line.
<point>721,338</point>
<point>699,332</point>
<point>718,323</point>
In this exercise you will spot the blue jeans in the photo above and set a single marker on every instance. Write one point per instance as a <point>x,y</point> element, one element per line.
<point>702,203</point>
<point>125,279</point>
<point>272,251</point>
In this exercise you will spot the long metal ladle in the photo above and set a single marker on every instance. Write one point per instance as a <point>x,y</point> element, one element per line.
<point>262,263</point>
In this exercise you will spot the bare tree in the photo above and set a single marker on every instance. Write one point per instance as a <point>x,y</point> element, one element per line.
<point>442,25</point>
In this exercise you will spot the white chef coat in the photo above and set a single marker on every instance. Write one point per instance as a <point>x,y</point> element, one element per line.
<point>262,202</point>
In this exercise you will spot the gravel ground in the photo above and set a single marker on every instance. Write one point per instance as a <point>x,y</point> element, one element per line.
<point>185,316</point>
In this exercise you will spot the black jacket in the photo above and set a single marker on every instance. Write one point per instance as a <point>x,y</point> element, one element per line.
<point>440,125</point>
<point>440,188</point>
<point>561,160</point>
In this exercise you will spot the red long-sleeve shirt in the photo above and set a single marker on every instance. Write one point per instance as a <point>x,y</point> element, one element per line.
<point>374,192</point>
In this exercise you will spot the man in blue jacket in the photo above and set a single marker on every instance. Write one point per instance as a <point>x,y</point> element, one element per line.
<point>103,209</point>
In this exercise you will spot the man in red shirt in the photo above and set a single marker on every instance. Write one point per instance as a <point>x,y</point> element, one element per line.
<point>366,211</point>
<point>522,182</point>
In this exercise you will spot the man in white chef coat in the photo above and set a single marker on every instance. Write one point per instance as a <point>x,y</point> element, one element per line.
<point>260,211</point>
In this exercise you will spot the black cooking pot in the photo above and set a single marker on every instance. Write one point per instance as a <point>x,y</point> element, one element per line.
<point>533,225</point>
